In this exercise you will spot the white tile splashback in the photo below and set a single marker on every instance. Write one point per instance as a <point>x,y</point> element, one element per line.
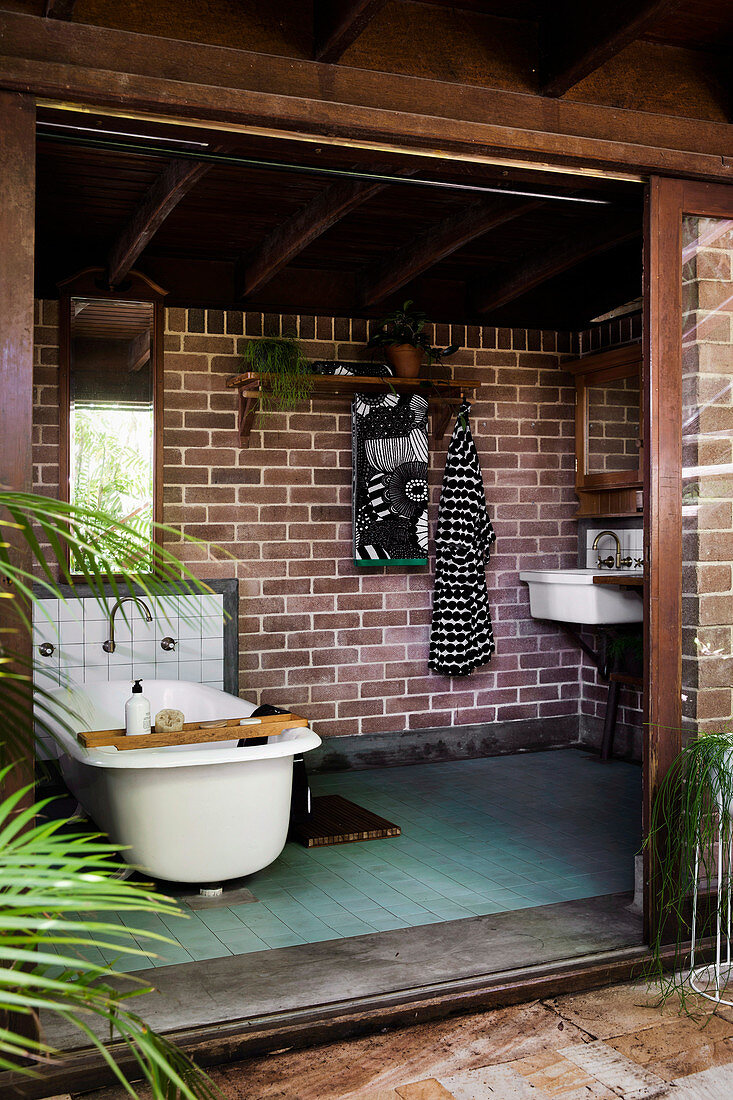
<point>77,628</point>
<point>631,539</point>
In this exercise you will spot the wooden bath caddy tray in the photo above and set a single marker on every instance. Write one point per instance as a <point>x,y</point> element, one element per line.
<point>194,733</point>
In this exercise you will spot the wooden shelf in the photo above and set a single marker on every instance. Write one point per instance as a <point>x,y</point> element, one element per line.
<point>608,503</point>
<point>442,394</point>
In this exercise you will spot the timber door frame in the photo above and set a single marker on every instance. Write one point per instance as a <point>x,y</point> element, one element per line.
<point>662,524</point>
<point>667,201</point>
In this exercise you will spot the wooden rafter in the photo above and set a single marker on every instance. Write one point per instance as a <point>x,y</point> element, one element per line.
<point>579,37</point>
<point>437,242</point>
<point>490,295</point>
<point>303,227</point>
<point>162,197</point>
<point>59,9</point>
<point>338,23</point>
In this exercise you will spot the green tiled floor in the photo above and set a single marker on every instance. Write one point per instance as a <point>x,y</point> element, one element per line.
<point>478,836</point>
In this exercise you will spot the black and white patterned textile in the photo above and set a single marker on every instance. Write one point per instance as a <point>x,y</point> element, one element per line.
<point>342,366</point>
<point>461,637</point>
<point>390,479</point>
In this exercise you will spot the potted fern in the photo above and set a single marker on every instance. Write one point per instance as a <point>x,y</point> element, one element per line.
<point>405,342</point>
<point>284,369</point>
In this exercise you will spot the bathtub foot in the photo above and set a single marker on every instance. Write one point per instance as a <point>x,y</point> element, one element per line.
<point>211,891</point>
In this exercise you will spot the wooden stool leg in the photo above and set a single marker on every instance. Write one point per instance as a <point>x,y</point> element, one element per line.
<point>609,725</point>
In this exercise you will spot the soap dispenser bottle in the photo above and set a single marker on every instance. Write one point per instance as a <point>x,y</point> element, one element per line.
<point>137,712</point>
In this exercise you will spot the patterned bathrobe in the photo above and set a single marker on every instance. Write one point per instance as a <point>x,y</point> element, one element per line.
<point>461,636</point>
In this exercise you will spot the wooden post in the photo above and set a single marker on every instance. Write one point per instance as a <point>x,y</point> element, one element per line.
<point>18,173</point>
<point>17,226</point>
<point>663,501</point>
<point>17,234</point>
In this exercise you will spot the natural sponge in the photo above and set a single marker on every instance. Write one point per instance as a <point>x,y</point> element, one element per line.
<point>169,721</point>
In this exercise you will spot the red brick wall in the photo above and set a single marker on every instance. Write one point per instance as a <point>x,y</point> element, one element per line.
<point>613,426</point>
<point>46,399</point>
<point>347,646</point>
<point>707,557</point>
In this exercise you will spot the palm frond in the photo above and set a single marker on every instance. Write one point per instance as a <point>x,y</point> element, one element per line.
<point>62,908</point>
<point>55,887</point>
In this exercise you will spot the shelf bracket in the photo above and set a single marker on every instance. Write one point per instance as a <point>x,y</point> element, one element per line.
<point>248,401</point>
<point>595,658</point>
<point>441,419</point>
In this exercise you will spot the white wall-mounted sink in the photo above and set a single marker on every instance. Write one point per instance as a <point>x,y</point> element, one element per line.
<point>571,596</point>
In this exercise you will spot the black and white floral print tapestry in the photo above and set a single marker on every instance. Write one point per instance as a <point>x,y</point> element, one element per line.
<point>390,479</point>
<point>461,636</point>
<point>343,366</point>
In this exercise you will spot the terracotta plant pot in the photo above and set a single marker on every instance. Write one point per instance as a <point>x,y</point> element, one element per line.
<point>404,359</point>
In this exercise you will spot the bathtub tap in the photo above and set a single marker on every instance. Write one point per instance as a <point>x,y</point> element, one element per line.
<point>110,645</point>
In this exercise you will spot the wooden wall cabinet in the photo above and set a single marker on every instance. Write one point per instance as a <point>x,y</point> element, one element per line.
<point>609,432</point>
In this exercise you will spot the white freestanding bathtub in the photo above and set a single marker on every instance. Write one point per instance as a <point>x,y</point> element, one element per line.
<point>191,813</point>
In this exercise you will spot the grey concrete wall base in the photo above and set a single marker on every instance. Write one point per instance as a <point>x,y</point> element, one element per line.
<point>627,741</point>
<point>382,750</point>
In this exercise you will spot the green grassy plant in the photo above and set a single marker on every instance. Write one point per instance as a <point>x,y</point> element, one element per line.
<point>282,363</point>
<point>684,832</point>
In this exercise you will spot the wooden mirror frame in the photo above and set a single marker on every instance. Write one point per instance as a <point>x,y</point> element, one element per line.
<point>92,283</point>
<point>592,370</point>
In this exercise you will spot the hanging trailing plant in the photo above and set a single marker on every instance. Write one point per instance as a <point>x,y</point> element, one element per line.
<point>285,370</point>
<point>691,814</point>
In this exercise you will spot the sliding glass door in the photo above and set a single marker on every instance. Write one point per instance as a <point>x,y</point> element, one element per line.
<point>707,473</point>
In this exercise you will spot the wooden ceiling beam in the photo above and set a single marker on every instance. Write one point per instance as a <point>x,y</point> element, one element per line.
<point>338,23</point>
<point>162,197</point>
<point>59,9</point>
<point>101,67</point>
<point>489,295</point>
<point>436,243</point>
<point>578,37</point>
<point>298,231</point>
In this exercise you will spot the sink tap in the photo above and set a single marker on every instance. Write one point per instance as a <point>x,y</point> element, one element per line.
<point>605,561</point>
<point>110,645</point>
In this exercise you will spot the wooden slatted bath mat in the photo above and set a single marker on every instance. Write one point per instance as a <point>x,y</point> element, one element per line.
<point>194,733</point>
<point>336,820</point>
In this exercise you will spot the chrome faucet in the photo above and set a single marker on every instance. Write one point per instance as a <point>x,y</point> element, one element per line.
<point>110,645</point>
<point>609,561</point>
